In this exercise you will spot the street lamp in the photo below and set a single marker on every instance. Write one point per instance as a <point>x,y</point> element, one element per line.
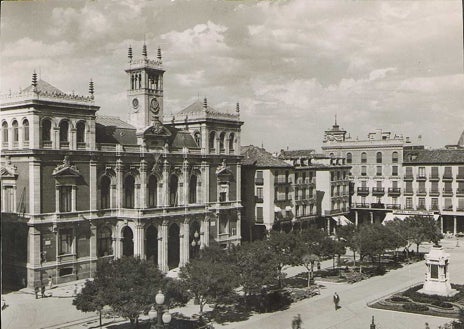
<point>195,243</point>
<point>156,312</point>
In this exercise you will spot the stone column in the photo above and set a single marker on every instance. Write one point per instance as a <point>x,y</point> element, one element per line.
<point>55,136</point>
<point>137,191</point>
<point>441,224</point>
<point>33,257</point>
<point>239,224</point>
<point>93,184</point>
<point>73,139</point>
<point>116,246</point>
<point>185,175</point>
<point>328,225</point>
<point>455,225</point>
<point>163,247</point>
<point>57,199</point>
<point>372,217</point>
<point>165,190</point>
<point>93,248</point>
<point>139,239</point>
<point>119,183</point>
<point>184,243</point>
<point>238,182</point>
<point>73,198</point>
<point>143,184</point>
<point>204,234</point>
<point>34,187</point>
<point>356,218</point>
<point>205,181</point>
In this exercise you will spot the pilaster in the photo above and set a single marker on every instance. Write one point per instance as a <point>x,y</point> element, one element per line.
<point>119,183</point>
<point>93,184</point>
<point>163,247</point>
<point>139,239</point>
<point>33,257</point>
<point>143,184</point>
<point>34,187</point>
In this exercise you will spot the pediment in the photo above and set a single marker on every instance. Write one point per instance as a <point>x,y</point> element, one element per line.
<point>9,172</point>
<point>66,169</point>
<point>156,130</point>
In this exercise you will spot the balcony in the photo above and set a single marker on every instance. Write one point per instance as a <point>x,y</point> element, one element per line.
<point>394,191</point>
<point>377,205</point>
<point>434,178</point>
<point>393,206</point>
<point>259,199</point>
<point>64,145</point>
<point>361,205</point>
<point>363,191</point>
<point>81,146</point>
<point>447,192</point>
<point>408,177</point>
<point>434,207</point>
<point>447,177</point>
<point>460,177</point>
<point>47,144</point>
<point>282,181</point>
<point>378,191</point>
<point>259,181</point>
<point>421,192</point>
<point>459,192</point>
<point>408,192</point>
<point>421,178</point>
<point>434,192</point>
<point>421,208</point>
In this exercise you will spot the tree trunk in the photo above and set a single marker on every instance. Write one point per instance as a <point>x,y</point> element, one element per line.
<point>201,307</point>
<point>100,314</point>
<point>417,249</point>
<point>354,258</point>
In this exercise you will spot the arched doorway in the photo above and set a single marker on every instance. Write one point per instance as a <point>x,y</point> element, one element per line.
<point>151,247</point>
<point>194,239</point>
<point>127,241</point>
<point>173,246</point>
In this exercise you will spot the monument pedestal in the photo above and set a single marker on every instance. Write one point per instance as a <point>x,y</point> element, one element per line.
<point>437,280</point>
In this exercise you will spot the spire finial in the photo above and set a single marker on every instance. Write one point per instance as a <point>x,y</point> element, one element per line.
<point>205,103</point>
<point>335,118</point>
<point>34,80</point>
<point>144,50</point>
<point>129,53</point>
<point>237,108</point>
<point>91,89</point>
<point>158,55</point>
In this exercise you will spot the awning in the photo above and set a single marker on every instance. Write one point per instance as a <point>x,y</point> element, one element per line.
<point>288,208</point>
<point>342,220</point>
<point>277,209</point>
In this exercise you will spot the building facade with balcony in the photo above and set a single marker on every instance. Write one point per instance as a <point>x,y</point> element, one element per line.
<point>77,187</point>
<point>377,170</point>
<point>434,184</point>
<point>321,189</point>
<point>267,193</point>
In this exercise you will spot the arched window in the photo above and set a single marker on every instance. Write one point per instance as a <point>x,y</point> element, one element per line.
<point>222,147</point>
<point>26,130</point>
<point>64,129</point>
<point>231,142</point>
<point>80,132</point>
<point>197,137</point>
<point>395,157</point>
<point>152,195</point>
<point>15,131</point>
<point>173,184</point>
<point>212,141</point>
<point>332,155</point>
<point>129,189</point>
<point>104,242</point>
<point>193,189</point>
<point>5,132</point>
<point>364,157</point>
<point>46,130</point>
<point>349,158</point>
<point>378,157</point>
<point>105,187</point>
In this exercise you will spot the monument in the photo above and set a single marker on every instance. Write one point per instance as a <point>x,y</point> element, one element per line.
<point>437,281</point>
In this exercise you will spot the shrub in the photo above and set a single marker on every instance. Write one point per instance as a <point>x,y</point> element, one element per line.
<point>441,304</point>
<point>399,299</point>
<point>415,307</point>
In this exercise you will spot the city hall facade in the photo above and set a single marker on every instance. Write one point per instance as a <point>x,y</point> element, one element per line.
<point>78,187</point>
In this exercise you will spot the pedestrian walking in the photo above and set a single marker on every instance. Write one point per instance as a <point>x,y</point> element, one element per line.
<point>42,291</point>
<point>336,300</point>
<point>75,290</point>
<point>36,291</point>
<point>298,321</point>
<point>50,282</point>
<point>427,325</point>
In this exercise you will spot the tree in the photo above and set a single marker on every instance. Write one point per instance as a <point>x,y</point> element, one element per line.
<point>257,266</point>
<point>308,262</point>
<point>90,299</point>
<point>283,245</point>
<point>209,278</point>
<point>348,234</point>
<point>375,239</point>
<point>129,285</point>
<point>422,229</point>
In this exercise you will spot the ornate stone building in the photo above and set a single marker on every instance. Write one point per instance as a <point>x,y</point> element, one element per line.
<point>77,187</point>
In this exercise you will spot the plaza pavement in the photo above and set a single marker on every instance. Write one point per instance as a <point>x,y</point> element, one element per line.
<point>57,311</point>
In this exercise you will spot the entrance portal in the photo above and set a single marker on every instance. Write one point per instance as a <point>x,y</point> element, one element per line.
<point>151,247</point>
<point>127,242</point>
<point>173,246</point>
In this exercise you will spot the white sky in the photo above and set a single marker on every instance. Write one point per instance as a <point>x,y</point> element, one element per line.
<point>292,65</point>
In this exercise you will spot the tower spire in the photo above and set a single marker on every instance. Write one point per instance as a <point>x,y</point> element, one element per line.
<point>158,55</point>
<point>205,103</point>
<point>129,53</point>
<point>237,108</point>
<point>144,50</point>
<point>34,80</point>
<point>91,89</point>
<point>335,118</point>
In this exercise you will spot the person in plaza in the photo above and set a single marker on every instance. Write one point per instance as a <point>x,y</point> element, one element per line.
<point>36,291</point>
<point>298,321</point>
<point>336,300</point>
<point>42,291</point>
<point>75,290</point>
<point>50,282</point>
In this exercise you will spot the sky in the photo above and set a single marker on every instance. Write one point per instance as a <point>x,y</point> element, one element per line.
<point>293,65</point>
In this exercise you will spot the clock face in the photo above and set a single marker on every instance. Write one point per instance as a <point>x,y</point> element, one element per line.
<point>135,103</point>
<point>154,106</point>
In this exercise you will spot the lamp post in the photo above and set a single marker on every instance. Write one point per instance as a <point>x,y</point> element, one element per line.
<point>195,243</point>
<point>156,312</point>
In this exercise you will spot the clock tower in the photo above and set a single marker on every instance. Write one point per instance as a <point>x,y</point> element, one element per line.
<point>335,134</point>
<point>145,94</point>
